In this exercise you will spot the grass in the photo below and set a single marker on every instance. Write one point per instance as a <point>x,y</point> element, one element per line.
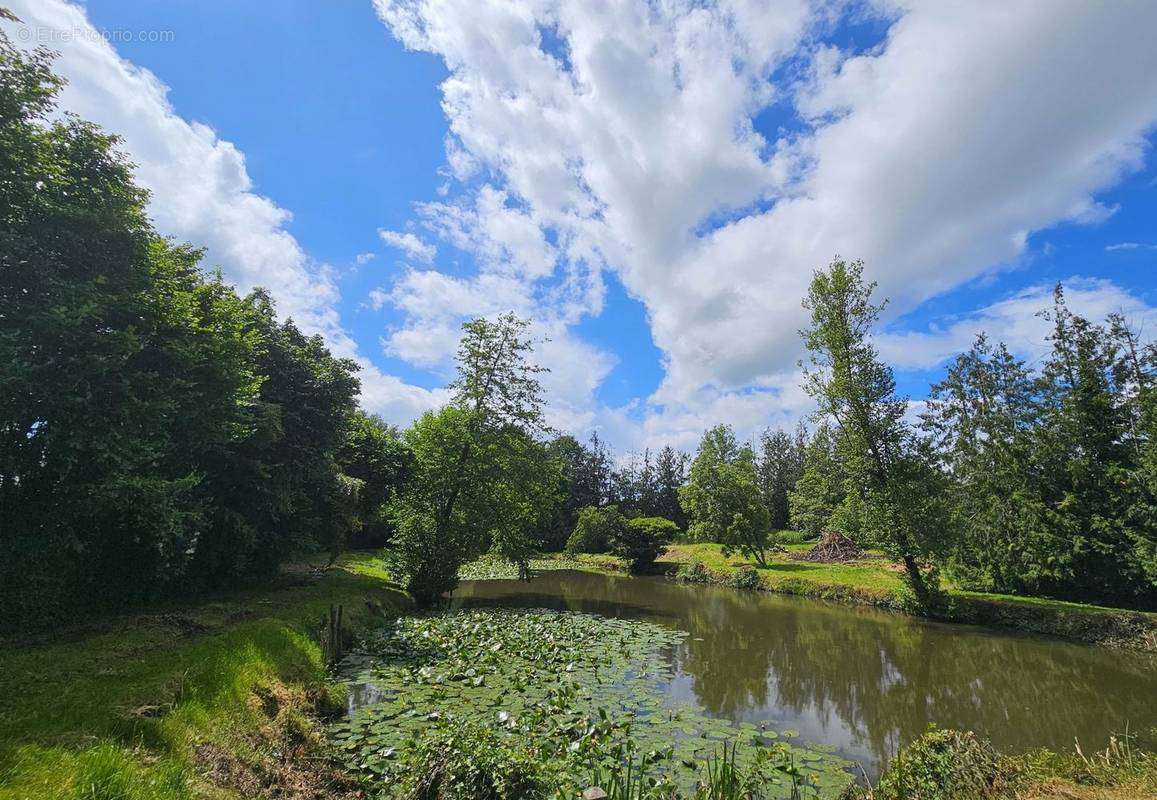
<point>955,765</point>
<point>875,581</point>
<point>199,700</point>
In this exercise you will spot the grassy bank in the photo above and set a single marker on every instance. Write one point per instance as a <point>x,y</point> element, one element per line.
<point>955,765</point>
<point>874,581</point>
<point>218,699</point>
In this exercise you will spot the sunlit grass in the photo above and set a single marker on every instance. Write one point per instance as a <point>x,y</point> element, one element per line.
<point>114,709</point>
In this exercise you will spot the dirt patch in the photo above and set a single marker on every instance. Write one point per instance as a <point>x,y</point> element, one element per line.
<point>286,758</point>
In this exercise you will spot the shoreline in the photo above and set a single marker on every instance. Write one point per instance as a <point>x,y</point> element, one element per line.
<point>1094,625</point>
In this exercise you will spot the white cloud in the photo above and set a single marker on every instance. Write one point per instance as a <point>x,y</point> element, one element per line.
<point>201,191</point>
<point>363,258</point>
<point>1111,248</point>
<point>409,244</point>
<point>378,298</point>
<point>1015,320</point>
<point>933,157</point>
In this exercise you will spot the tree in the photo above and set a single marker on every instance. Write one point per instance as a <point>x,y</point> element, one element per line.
<point>779,468</point>
<point>1087,458</point>
<point>641,540</point>
<point>481,477</point>
<point>821,487</point>
<point>902,511</point>
<point>373,453</point>
<point>722,496</point>
<point>158,433</point>
<point>980,419</point>
<point>670,476</point>
<point>596,528</point>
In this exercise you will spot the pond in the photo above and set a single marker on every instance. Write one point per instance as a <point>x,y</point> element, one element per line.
<point>857,679</point>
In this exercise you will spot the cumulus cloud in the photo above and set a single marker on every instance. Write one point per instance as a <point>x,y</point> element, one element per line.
<point>409,244</point>
<point>201,192</point>
<point>624,132</point>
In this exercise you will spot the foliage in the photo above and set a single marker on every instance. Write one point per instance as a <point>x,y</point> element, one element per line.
<point>373,452</point>
<point>902,509</point>
<point>821,487</point>
<point>943,765</point>
<point>1050,483</point>
<point>158,433</point>
<point>693,571</point>
<point>585,479</point>
<point>134,704</point>
<point>722,498</point>
<point>596,529</point>
<point>480,476</point>
<point>641,540</point>
<point>575,691</point>
<point>779,467</point>
<point>746,577</point>
<point>469,762</point>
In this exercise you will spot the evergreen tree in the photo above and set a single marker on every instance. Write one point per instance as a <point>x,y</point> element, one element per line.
<point>670,477</point>
<point>780,466</point>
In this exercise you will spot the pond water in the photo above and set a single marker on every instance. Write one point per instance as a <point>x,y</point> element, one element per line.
<point>859,679</point>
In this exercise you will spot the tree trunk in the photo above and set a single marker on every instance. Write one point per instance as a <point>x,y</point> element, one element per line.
<point>916,579</point>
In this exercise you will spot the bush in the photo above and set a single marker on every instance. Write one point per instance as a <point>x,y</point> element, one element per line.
<point>595,529</point>
<point>790,537</point>
<point>746,577</point>
<point>694,571</point>
<point>942,765</point>
<point>641,540</point>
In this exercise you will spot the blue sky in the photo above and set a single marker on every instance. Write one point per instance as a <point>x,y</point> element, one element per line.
<point>652,187</point>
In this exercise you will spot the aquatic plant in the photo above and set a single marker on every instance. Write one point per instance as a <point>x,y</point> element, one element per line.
<point>579,693</point>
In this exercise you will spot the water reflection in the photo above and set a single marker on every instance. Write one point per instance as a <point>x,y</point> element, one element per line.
<point>860,679</point>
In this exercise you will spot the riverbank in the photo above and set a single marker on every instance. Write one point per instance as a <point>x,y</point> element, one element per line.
<point>874,581</point>
<point>228,698</point>
<point>218,699</point>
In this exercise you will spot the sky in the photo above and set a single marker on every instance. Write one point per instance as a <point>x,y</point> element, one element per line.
<point>652,184</point>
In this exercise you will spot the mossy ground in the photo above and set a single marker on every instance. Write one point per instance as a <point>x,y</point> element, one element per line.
<point>211,699</point>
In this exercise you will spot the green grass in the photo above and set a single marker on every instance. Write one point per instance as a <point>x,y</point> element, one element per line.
<point>872,576</point>
<point>140,707</point>
<point>876,581</point>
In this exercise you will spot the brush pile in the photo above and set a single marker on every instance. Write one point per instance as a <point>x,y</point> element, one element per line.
<point>833,548</point>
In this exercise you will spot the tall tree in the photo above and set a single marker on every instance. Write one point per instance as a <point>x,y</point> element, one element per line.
<point>481,476</point>
<point>722,496</point>
<point>980,418</point>
<point>857,391</point>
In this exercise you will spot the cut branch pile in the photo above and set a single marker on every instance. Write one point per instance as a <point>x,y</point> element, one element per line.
<point>833,547</point>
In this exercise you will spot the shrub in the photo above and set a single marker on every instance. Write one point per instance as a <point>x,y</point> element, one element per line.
<point>789,537</point>
<point>746,577</point>
<point>694,571</point>
<point>942,765</point>
<point>594,530</point>
<point>641,540</point>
